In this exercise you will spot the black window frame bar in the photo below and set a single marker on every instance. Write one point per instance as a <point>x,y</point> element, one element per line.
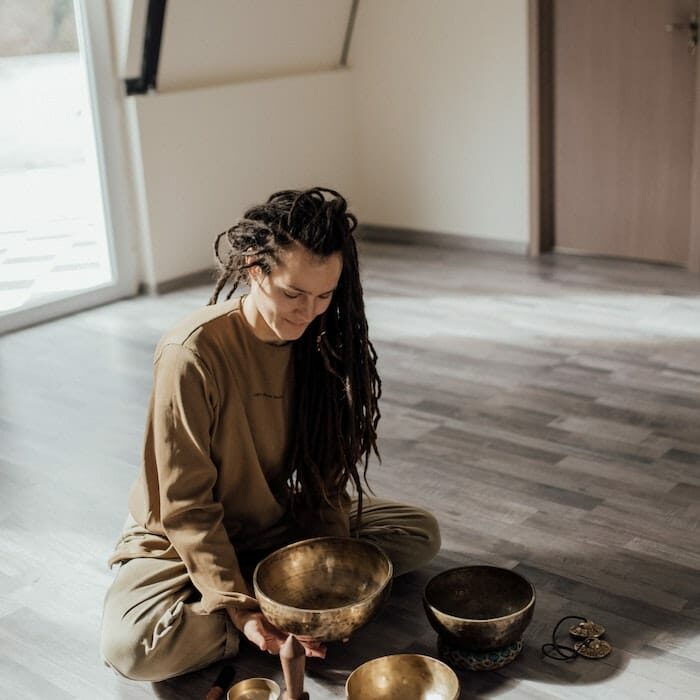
<point>348,34</point>
<point>151,50</point>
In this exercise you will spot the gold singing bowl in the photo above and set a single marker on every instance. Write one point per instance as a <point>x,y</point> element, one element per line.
<point>255,689</point>
<point>325,588</point>
<point>479,607</point>
<point>402,677</point>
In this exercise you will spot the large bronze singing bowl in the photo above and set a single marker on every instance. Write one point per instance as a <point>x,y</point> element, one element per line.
<point>325,588</point>
<point>479,607</point>
<point>402,677</point>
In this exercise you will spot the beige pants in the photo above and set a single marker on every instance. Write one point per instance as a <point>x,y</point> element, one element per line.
<point>153,628</point>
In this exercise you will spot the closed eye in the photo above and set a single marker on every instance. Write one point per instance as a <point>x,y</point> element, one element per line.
<point>296,296</point>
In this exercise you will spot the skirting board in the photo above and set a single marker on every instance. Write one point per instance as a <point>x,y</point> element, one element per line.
<point>407,236</point>
<point>194,279</point>
<point>378,234</point>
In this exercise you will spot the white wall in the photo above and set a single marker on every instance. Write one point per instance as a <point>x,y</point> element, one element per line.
<point>248,102</point>
<point>441,116</point>
<point>427,130</point>
<point>206,155</point>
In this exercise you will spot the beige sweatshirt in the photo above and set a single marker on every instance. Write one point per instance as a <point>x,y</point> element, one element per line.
<point>217,435</point>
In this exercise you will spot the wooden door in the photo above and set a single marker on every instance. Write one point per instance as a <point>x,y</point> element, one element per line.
<point>623,128</point>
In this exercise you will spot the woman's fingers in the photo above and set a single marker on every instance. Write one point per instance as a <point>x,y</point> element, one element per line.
<point>263,635</point>
<point>254,634</point>
<point>319,653</point>
<point>268,638</point>
<point>271,645</point>
<point>313,648</point>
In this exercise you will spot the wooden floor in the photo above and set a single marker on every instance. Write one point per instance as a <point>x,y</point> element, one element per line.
<point>547,411</point>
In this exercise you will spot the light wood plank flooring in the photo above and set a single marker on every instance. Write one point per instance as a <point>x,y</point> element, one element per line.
<point>546,410</point>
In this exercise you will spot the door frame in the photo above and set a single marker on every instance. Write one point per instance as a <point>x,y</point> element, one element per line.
<point>106,91</point>
<point>541,138</point>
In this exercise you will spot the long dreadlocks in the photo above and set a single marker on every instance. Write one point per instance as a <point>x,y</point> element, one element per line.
<point>337,387</point>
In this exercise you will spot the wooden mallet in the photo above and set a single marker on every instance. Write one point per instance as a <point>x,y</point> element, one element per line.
<point>293,660</point>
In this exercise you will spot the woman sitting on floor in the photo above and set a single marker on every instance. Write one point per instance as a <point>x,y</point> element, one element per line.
<point>263,412</point>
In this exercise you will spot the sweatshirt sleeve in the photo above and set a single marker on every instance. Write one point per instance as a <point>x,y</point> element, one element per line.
<point>185,401</point>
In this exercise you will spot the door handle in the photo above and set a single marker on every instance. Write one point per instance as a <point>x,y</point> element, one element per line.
<point>691,26</point>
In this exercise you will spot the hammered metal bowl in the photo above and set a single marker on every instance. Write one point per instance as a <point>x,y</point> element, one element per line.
<point>481,608</point>
<point>325,588</point>
<point>255,689</point>
<point>402,677</point>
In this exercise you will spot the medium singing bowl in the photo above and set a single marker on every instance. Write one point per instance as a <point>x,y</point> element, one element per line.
<point>325,588</point>
<point>480,608</point>
<point>402,677</point>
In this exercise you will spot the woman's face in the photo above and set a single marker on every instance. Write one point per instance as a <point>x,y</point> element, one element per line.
<point>297,290</point>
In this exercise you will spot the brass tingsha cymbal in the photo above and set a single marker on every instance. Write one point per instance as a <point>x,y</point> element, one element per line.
<point>589,645</point>
<point>584,630</point>
<point>593,648</point>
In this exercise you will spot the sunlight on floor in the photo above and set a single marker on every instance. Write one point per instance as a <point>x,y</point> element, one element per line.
<point>599,316</point>
<point>52,232</point>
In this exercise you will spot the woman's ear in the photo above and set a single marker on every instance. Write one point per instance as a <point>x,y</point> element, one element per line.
<point>254,272</point>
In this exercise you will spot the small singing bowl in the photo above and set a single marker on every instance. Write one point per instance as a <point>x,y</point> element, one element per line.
<point>255,689</point>
<point>402,677</point>
<point>480,608</point>
<point>325,588</point>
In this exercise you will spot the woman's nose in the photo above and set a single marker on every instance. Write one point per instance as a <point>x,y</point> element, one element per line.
<point>308,310</point>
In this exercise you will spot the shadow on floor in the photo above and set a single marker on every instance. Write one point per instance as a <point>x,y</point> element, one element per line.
<point>402,627</point>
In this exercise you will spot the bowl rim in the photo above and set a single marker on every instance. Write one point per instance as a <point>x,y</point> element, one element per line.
<point>522,610</point>
<point>388,656</point>
<point>271,684</point>
<point>259,593</point>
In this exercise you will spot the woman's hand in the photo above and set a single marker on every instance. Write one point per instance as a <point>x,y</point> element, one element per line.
<point>258,630</point>
<point>312,647</point>
<point>255,628</point>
